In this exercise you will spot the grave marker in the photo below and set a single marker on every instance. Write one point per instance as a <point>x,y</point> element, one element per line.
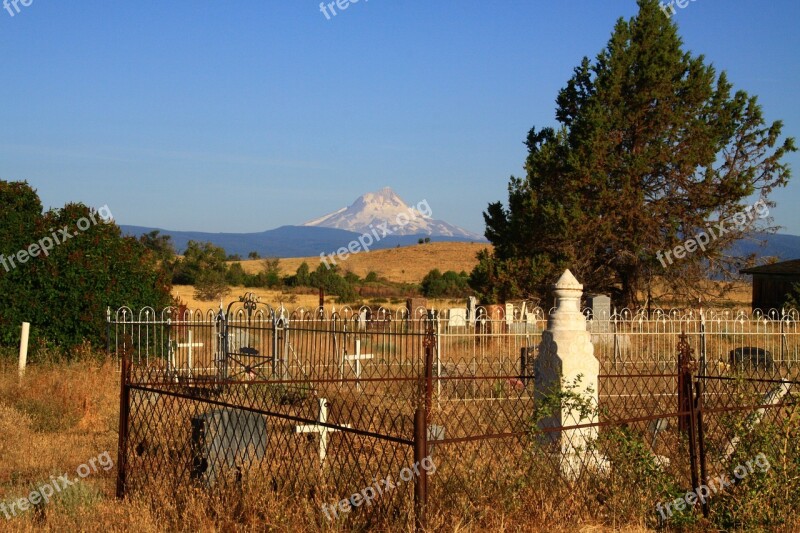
<point>323,431</point>
<point>190,345</point>
<point>566,360</point>
<point>434,433</point>
<point>600,305</point>
<point>354,360</point>
<point>472,305</point>
<point>226,438</point>
<point>457,318</point>
<point>417,308</point>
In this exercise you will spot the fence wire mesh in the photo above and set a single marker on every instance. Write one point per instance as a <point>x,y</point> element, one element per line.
<point>323,405</point>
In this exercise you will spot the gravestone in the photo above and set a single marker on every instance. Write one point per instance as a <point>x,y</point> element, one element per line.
<point>363,318</point>
<point>457,318</point>
<point>509,314</point>
<point>771,398</point>
<point>190,345</point>
<point>226,440</point>
<point>600,305</point>
<point>435,433</point>
<point>472,305</point>
<point>566,362</point>
<point>417,308</point>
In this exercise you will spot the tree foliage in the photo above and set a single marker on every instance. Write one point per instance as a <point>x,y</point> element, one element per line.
<point>160,245</point>
<point>652,148</point>
<point>332,282</point>
<point>65,293</point>
<point>451,284</point>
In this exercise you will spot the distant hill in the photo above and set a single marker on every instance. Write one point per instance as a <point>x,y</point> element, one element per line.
<point>307,241</point>
<point>784,247</point>
<point>286,241</point>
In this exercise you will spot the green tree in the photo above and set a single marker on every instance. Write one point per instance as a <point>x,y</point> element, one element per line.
<point>160,245</point>
<point>793,298</point>
<point>447,285</point>
<point>303,275</point>
<point>236,275</point>
<point>272,272</point>
<point>210,285</point>
<point>332,282</point>
<point>64,294</point>
<point>652,147</point>
<point>199,258</point>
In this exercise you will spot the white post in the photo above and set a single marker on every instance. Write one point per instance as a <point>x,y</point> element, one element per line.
<point>23,348</point>
<point>438,361</point>
<point>566,357</point>
<point>190,352</point>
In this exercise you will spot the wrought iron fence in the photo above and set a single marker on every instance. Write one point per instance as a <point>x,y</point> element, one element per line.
<point>324,403</point>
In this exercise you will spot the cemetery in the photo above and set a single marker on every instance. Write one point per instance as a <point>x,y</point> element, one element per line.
<point>318,403</point>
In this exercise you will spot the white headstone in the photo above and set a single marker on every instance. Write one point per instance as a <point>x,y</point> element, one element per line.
<point>600,304</point>
<point>472,305</point>
<point>566,353</point>
<point>457,318</point>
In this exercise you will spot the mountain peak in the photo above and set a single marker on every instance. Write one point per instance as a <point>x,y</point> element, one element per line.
<point>385,207</point>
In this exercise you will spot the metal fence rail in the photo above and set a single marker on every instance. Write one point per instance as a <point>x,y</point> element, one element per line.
<point>339,399</point>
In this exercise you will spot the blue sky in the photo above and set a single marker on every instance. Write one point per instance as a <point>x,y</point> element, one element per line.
<point>248,115</point>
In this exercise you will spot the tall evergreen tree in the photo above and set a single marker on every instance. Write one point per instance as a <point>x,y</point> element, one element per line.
<point>652,148</point>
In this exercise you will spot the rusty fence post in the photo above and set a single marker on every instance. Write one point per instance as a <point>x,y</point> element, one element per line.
<point>424,402</point>
<point>701,440</point>
<point>124,418</point>
<point>690,398</point>
<point>421,481</point>
<point>686,366</point>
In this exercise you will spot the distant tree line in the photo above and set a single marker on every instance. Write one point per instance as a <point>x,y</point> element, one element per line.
<point>211,271</point>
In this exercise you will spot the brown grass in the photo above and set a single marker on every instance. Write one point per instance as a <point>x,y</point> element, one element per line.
<point>59,417</point>
<point>407,264</point>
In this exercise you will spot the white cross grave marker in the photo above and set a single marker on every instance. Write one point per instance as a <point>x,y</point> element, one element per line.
<point>323,431</point>
<point>190,345</point>
<point>354,360</point>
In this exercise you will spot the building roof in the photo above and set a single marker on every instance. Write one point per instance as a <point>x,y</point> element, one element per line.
<point>784,268</point>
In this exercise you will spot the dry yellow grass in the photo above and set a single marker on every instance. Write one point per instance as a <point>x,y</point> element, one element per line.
<point>289,300</point>
<point>407,264</point>
<point>272,297</point>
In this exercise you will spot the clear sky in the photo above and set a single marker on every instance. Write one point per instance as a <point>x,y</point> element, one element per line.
<point>246,115</point>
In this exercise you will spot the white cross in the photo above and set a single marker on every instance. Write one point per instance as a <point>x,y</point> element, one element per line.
<point>190,345</point>
<point>354,360</point>
<point>323,431</point>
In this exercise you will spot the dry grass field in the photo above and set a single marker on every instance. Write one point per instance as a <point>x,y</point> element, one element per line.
<point>59,417</point>
<point>407,264</point>
<point>290,301</point>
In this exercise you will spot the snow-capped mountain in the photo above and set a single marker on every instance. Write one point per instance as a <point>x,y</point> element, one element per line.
<point>384,207</point>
